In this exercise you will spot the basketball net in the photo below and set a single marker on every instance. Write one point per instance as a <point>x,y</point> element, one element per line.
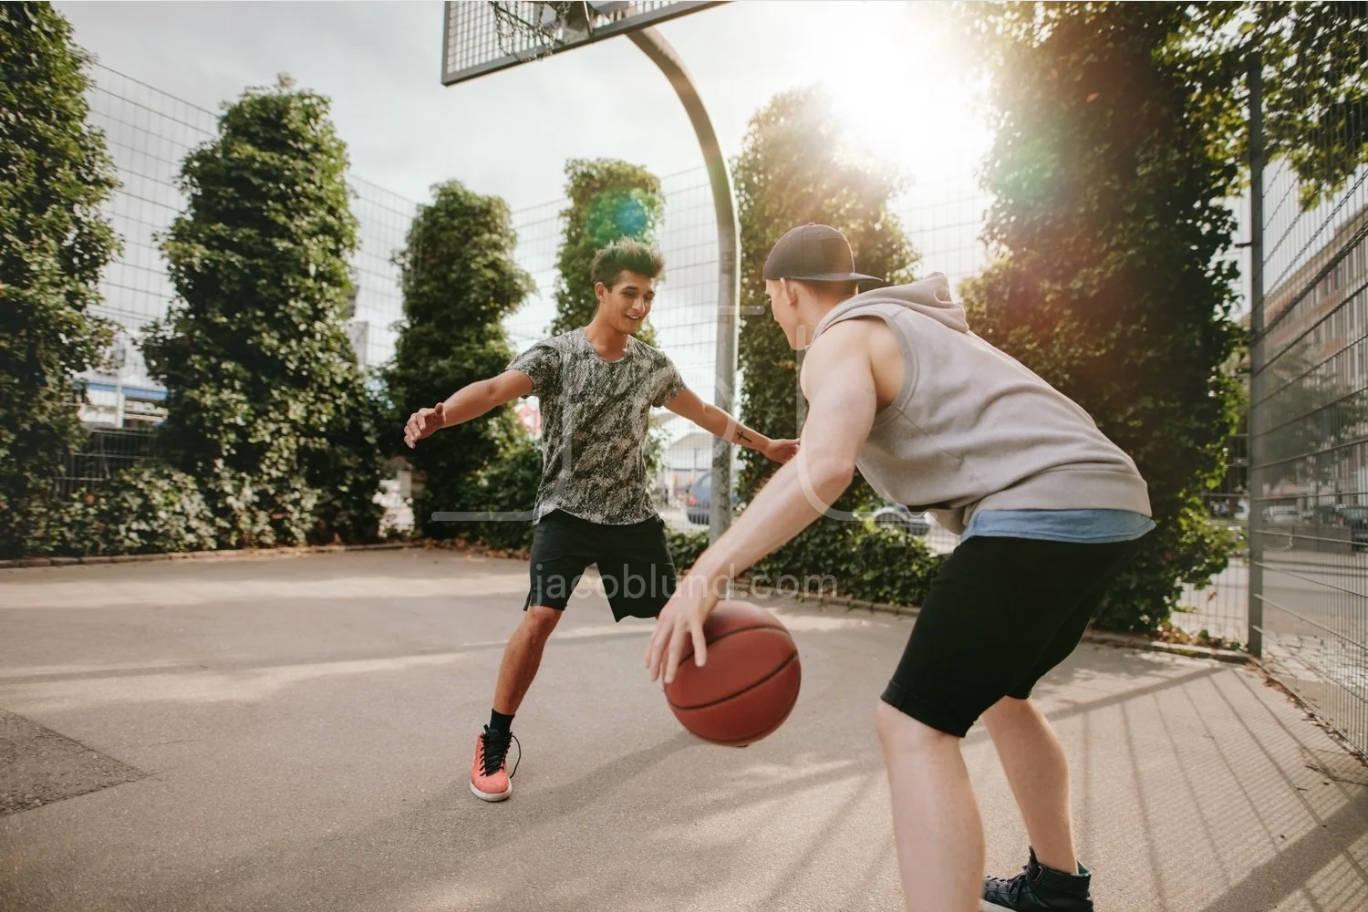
<point>529,31</point>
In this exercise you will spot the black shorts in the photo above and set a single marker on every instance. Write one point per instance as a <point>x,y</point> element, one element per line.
<point>1000,614</point>
<point>633,560</point>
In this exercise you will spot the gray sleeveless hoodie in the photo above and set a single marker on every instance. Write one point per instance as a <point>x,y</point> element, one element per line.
<point>972,428</point>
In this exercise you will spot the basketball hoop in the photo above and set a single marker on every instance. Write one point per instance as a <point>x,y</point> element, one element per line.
<point>482,37</point>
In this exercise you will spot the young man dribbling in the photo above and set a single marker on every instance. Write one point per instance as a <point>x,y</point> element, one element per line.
<point>1049,510</point>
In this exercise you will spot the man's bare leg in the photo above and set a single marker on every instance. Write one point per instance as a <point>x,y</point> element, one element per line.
<point>522,657</point>
<point>1038,772</point>
<point>935,817</point>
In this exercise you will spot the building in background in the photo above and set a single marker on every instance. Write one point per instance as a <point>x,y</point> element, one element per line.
<point>1315,418</point>
<point>687,459</point>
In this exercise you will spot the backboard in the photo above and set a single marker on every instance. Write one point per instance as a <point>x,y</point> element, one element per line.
<point>480,38</point>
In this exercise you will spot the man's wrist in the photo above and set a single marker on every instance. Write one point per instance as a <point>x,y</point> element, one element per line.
<point>716,571</point>
<point>752,439</point>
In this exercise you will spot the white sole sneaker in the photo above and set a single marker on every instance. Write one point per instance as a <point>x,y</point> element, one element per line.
<point>491,796</point>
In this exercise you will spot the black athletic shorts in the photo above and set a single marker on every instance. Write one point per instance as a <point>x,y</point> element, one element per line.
<point>1000,614</point>
<point>633,560</point>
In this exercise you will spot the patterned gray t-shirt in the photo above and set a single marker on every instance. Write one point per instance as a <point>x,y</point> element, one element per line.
<point>594,423</point>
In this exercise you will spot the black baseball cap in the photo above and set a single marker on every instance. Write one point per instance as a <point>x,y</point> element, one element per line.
<point>814,253</point>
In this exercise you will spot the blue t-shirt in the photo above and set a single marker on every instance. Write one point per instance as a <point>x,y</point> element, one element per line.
<point>1081,526</point>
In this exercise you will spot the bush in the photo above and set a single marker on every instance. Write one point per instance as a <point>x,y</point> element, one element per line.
<point>142,510</point>
<point>506,485</point>
<point>856,560</point>
<point>685,547</point>
<point>256,511</point>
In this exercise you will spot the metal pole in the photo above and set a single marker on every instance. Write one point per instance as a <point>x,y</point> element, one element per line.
<point>1256,353</point>
<point>728,255</point>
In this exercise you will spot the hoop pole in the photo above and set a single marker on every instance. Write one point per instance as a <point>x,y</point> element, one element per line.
<point>653,44</point>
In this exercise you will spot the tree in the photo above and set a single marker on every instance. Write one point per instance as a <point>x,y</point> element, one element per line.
<point>1121,129</point>
<point>266,404</point>
<point>793,170</point>
<point>1313,56</point>
<point>609,199</point>
<point>1110,222</point>
<point>459,281</point>
<point>54,176</point>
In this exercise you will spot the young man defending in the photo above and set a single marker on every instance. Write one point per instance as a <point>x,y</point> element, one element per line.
<point>1049,509</point>
<point>596,386</point>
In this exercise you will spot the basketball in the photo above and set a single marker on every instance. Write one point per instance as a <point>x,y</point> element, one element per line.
<point>750,681</point>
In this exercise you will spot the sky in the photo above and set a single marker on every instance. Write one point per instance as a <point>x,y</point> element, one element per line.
<point>897,70</point>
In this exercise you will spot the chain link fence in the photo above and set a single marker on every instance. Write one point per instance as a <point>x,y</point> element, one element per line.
<point>149,132</point>
<point>1309,432</point>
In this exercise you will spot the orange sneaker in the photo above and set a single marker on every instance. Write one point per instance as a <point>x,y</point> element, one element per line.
<point>490,779</point>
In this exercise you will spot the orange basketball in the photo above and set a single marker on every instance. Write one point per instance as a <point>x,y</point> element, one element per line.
<point>749,684</point>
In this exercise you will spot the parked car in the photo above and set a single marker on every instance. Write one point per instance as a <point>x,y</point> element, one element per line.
<point>1282,515</point>
<point>698,501</point>
<point>1229,508</point>
<point>903,519</point>
<point>1356,518</point>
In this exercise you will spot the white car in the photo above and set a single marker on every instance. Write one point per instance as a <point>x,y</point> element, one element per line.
<point>900,517</point>
<point>1282,515</point>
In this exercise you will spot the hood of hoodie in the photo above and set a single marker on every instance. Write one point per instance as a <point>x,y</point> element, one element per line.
<point>929,296</point>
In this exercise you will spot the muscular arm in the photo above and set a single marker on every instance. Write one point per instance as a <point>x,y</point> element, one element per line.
<point>839,384</point>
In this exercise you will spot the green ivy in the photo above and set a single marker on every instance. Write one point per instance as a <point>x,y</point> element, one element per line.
<point>793,170</point>
<point>1111,284</point>
<point>142,510</point>
<point>609,200</point>
<point>266,405</point>
<point>459,280</point>
<point>55,175</point>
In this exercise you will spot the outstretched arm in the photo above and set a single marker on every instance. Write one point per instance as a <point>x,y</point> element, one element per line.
<point>467,403</point>
<point>720,424</point>
<point>839,382</point>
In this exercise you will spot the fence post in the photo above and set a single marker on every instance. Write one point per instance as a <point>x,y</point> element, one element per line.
<point>1256,353</point>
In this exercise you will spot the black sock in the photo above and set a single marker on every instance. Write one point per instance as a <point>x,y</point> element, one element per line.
<point>498,722</point>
